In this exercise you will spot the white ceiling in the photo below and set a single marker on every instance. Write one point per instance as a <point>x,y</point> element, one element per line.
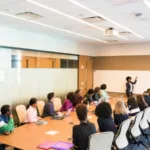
<point>120,11</point>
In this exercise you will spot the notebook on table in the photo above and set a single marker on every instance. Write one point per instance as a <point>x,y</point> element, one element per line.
<point>62,145</point>
<point>46,145</point>
<point>55,145</point>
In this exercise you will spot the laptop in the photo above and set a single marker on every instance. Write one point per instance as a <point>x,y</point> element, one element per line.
<point>61,117</point>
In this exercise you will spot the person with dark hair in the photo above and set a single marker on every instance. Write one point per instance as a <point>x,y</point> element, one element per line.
<point>96,95</point>
<point>104,94</point>
<point>79,97</point>
<point>132,106</point>
<point>6,120</point>
<point>141,102</point>
<point>146,97</point>
<point>49,106</point>
<point>88,98</point>
<point>31,115</point>
<point>84,130</point>
<point>69,102</point>
<point>104,113</point>
<point>130,86</point>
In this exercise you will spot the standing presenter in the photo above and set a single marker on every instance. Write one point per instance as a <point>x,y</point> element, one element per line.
<point>130,86</point>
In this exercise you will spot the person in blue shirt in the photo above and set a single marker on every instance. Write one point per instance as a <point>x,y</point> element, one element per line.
<point>49,106</point>
<point>147,97</point>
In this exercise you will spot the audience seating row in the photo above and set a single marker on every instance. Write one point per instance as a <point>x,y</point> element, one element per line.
<point>21,109</point>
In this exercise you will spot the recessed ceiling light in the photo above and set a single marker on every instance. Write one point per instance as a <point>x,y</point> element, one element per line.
<point>98,14</point>
<point>52,27</point>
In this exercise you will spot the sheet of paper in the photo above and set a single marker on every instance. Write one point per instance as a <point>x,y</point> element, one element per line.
<point>52,132</point>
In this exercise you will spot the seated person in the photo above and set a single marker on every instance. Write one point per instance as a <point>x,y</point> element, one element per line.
<point>132,106</point>
<point>31,115</point>
<point>84,130</point>
<point>69,102</point>
<point>141,102</point>
<point>6,122</point>
<point>146,97</point>
<point>120,113</point>
<point>104,113</point>
<point>49,106</point>
<point>96,95</point>
<point>79,97</point>
<point>104,95</point>
<point>88,97</point>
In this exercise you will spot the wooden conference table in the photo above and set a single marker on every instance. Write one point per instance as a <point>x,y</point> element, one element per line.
<point>29,136</point>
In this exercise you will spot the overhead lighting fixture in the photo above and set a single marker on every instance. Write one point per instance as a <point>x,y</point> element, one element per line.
<point>52,27</point>
<point>69,16</point>
<point>64,14</point>
<point>98,14</point>
<point>147,2</point>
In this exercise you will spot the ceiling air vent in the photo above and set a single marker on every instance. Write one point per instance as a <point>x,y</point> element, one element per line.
<point>112,41</point>
<point>126,33</point>
<point>94,19</point>
<point>120,2</point>
<point>29,15</point>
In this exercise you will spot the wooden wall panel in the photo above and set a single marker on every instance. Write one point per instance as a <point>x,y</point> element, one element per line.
<point>57,63</point>
<point>45,63</point>
<point>85,73</point>
<point>122,63</point>
<point>29,62</point>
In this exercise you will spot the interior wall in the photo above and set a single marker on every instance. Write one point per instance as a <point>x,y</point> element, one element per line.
<point>22,39</point>
<point>123,49</point>
<point>113,63</point>
<point>18,85</point>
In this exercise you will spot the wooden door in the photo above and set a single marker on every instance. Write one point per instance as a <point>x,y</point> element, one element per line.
<point>85,80</point>
<point>29,62</point>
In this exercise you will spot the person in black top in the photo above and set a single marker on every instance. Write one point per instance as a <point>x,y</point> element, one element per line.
<point>132,106</point>
<point>141,102</point>
<point>103,111</point>
<point>49,106</point>
<point>120,113</point>
<point>96,95</point>
<point>88,98</point>
<point>84,130</point>
<point>129,86</point>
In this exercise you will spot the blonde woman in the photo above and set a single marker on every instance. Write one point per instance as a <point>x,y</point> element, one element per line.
<point>120,113</point>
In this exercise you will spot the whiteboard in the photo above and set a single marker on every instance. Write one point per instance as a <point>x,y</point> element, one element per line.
<point>116,80</point>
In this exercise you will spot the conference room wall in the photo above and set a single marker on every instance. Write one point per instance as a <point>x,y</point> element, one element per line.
<point>12,37</point>
<point>18,85</point>
<point>123,49</point>
<point>113,70</point>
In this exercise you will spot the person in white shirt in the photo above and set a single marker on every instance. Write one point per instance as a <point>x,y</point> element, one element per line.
<point>31,114</point>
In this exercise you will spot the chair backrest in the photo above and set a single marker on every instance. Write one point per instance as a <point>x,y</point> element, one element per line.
<point>135,128</point>
<point>40,107</point>
<point>121,139</point>
<point>144,121</point>
<point>101,141</point>
<point>57,104</point>
<point>21,113</point>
